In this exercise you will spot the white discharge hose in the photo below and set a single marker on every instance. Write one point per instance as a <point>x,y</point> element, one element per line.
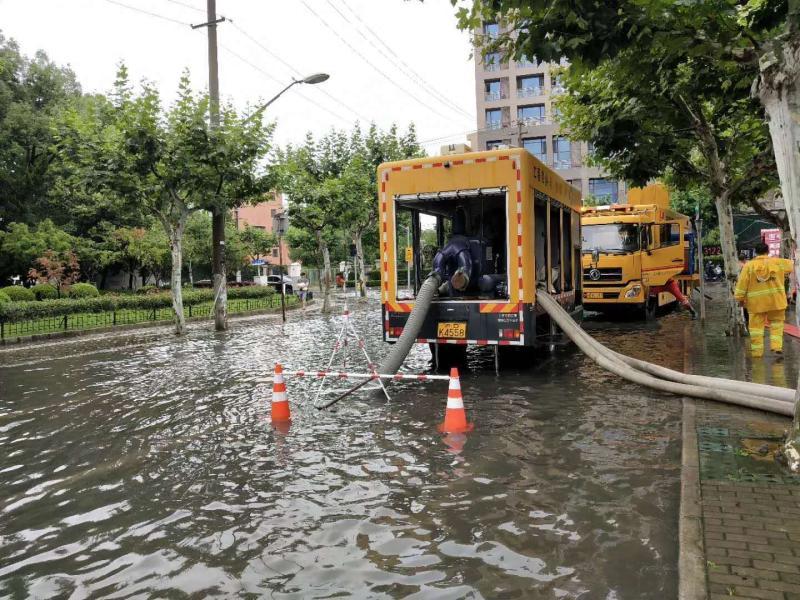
<point>733,394</point>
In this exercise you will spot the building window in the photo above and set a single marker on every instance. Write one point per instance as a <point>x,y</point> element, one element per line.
<point>272,212</point>
<point>496,144</point>
<point>494,118</point>
<point>491,30</point>
<point>531,115</point>
<point>526,62</point>
<point>275,253</point>
<point>494,90</point>
<point>536,146</point>
<point>530,85</point>
<point>491,61</point>
<point>562,152</point>
<point>604,189</point>
<point>557,85</point>
<point>261,227</point>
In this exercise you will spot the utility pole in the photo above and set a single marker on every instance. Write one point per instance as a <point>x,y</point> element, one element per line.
<point>699,232</point>
<point>217,212</point>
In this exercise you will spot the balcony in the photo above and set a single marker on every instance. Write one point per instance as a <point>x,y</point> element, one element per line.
<point>529,92</point>
<point>532,121</point>
<point>494,125</point>
<point>494,96</point>
<point>495,66</point>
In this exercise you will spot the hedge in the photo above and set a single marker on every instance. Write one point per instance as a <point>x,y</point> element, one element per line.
<point>45,291</point>
<point>11,312</point>
<point>17,293</point>
<point>82,290</point>
<point>4,297</point>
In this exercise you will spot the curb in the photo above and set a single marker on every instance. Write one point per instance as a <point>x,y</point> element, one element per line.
<point>692,557</point>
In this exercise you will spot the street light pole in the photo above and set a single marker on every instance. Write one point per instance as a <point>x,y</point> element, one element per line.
<point>311,80</point>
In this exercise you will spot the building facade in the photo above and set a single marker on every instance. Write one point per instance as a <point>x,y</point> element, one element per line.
<point>515,107</point>
<point>261,216</point>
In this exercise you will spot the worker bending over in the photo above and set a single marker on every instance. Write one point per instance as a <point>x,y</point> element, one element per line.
<point>760,289</point>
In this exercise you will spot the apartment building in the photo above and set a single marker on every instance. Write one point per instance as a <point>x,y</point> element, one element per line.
<point>515,108</point>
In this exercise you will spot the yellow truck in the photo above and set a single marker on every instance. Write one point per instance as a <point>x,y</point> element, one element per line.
<point>491,226</point>
<point>640,255</point>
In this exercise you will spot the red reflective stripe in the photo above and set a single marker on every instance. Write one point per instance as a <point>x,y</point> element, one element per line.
<point>458,162</point>
<point>483,342</point>
<point>503,157</point>
<point>437,164</point>
<point>383,186</point>
<point>396,168</point>
<point>417,167</point>
<point>504,343</point>
<point>480,160</point>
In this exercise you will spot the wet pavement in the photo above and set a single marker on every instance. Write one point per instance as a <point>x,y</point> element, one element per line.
<point>145,466</point>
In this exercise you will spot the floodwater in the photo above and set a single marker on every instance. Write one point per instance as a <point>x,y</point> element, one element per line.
<point>145,466</point>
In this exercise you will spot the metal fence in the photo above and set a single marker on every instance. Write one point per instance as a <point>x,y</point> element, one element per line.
<point>88,321</point>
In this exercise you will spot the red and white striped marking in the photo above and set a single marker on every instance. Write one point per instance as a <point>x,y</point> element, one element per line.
<point>454,398</point>
<point>278,386</point>
<point>347,375</point>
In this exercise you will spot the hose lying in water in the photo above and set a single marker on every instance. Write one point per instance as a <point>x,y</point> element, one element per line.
<point>391,364</point>
<point>610,361</point>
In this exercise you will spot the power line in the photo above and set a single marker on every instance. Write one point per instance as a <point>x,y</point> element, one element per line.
<point>272,78</point>
<point>295,72</point>
<point>184,4</point>
<point>147,12</point>
<point>370,63</point>
<point>397,61</point>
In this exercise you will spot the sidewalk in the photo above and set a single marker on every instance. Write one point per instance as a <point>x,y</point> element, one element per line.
<point>747,509</point>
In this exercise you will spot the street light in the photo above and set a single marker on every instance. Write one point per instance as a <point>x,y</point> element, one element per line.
<point>311,80</point>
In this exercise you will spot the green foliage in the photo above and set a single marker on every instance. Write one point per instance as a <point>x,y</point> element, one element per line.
<point>4,297</point>
<point>22,311</point>
<point>21,245</point>
<point>82,290</point>
<point>44,291</point>
<point>148,289</point>
<point>17,293</point>
<point>33,90</point>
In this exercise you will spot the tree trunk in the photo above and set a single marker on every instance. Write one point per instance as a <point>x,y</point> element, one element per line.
<point>326,278</point>
<point>191,276</point>
<point>362,276</point>
<point>176,248</point>
<point>218,268</point>
<point>130,278</point>
<point>736,326</point>
<point>779,92</point>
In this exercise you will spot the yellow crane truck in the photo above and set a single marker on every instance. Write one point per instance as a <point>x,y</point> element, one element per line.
<point>641,255</point>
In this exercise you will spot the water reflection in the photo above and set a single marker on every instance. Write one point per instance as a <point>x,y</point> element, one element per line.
<point>152,469</point>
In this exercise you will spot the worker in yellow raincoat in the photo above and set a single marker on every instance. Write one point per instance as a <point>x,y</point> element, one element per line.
<point>760,289</point>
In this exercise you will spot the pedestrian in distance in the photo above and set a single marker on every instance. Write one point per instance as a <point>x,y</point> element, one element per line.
<point>302,288</point>
<point>760,289</point>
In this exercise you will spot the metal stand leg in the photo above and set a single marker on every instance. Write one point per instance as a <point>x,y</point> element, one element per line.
<point>436,356</point>
<point>497,360</point>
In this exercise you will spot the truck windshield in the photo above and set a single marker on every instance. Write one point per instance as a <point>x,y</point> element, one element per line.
<point>610,237</point>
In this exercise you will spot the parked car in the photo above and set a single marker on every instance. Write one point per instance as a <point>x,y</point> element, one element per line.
<point>275,282</point>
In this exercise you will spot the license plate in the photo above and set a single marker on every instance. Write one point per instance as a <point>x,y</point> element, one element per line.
<point>454,331</point>
<point>593,295</point>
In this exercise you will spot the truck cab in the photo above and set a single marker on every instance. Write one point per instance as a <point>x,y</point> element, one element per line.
<point>631,252</point>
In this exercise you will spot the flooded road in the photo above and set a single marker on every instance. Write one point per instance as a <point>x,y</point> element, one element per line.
<point>146,467</point>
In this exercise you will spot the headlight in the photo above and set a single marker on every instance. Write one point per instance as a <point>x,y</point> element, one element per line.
<point>633,292</point>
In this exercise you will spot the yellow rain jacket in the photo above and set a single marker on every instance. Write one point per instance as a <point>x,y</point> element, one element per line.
<point>760,283</point>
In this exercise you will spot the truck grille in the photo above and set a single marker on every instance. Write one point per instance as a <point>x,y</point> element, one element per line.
<point>606,274</point>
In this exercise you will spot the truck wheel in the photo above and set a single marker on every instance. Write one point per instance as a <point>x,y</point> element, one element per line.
<point>650,308</point>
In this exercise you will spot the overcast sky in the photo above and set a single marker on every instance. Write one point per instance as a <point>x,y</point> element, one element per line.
<point>423,73</point>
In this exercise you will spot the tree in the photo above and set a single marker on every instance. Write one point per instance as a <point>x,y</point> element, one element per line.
<point>309,175</point>
<point>21,246</point>
<point>57,270</point>
<point>256,242</point>
<point>167,162</point>
<point>32,92</point>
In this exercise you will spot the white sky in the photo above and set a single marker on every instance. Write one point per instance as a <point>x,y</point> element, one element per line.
<point>92,36</point>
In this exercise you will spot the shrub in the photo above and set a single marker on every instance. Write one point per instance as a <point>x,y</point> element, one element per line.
<point>17,293</point>
<point>22,311</point>
<point>148,289</point>
<point>44,291</point>
<point>82,290</point>
<point>4,298</point>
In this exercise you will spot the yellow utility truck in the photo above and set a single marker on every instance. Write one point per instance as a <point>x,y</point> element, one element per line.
<point>490,227</point>
<point>637,256</point>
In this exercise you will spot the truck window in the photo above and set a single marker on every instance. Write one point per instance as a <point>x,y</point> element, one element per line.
<point>669,234</point>
<point>615,238</point>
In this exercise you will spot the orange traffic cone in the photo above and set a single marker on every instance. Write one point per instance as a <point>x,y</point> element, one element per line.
<point>455,417</point>
<point>280,405</point>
